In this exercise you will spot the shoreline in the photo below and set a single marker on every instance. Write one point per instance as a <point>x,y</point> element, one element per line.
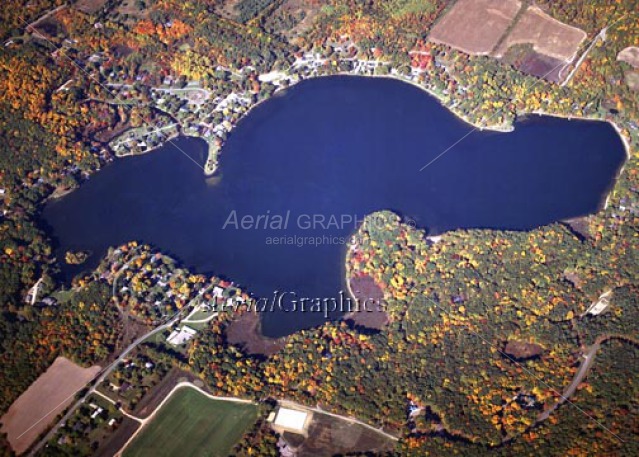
<point>211,164</point>
<point>625,140</point>
<point>504,128</point>
<point>211,170</point>
<point>169,139</point>
<point>215,149</point>
<point>215,145</point>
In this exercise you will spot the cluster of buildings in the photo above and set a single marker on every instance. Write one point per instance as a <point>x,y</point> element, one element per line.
<point>197,104</point>
<point>157,286</point>
<point>81,426</point>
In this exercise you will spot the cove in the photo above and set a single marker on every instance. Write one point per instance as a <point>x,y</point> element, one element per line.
<point>334,147</point>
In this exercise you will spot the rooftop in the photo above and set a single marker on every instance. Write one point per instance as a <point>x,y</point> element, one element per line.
<point>178,337</point>
<point>291,419</point>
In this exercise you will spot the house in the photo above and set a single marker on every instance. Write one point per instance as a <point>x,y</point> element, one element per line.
<point>600,305</point>
<point>292,420</point>
<point>49,301</point>
<point>64,439</point>
<point>179,337</point>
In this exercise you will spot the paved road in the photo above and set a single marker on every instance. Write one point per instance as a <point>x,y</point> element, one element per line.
<point>44,16</point>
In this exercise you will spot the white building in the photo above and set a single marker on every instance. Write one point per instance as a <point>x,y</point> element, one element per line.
<point>178,337</point>
<point>600,305</point>
<point>217,291</point>
<point>292,420</point>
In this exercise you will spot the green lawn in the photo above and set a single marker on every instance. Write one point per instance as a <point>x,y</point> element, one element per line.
<point>191,424</point>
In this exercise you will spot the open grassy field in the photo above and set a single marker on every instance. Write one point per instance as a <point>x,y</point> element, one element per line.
<point>192,424</point>
<point>475,26</point>
<point>47,397</point>
<point>293,17</point>
<point>632,79</point>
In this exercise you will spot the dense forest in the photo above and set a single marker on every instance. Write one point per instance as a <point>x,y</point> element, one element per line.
<point>444,349</point>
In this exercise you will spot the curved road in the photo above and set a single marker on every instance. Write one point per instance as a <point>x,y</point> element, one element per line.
<point>589,357</point>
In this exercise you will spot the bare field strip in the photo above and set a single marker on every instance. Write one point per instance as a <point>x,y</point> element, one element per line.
<point>548,36</point>
<point>89,6</point>
<point>118,439</point>
<point>630,55</point>
<point>475,26</point>
<point>227,10</point>
<point>47,397</point>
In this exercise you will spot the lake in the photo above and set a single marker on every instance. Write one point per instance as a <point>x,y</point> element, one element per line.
<point>311,162</point>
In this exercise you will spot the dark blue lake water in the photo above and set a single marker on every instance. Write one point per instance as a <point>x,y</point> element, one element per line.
<point>334,149</point>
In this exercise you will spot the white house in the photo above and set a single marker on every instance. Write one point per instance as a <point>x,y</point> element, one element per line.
<point>600,305</point>
<point>178,337</point>
<point>217,291</point>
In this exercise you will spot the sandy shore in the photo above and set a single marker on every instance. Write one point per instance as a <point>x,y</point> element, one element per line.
<point>624,139</point>
<point>495,128</point>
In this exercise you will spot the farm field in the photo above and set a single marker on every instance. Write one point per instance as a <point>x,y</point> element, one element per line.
<point>475,26</point>
<point>114,442</point>
<point>47,397</point>
<point>548,36</point>
<point>190,423</point>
